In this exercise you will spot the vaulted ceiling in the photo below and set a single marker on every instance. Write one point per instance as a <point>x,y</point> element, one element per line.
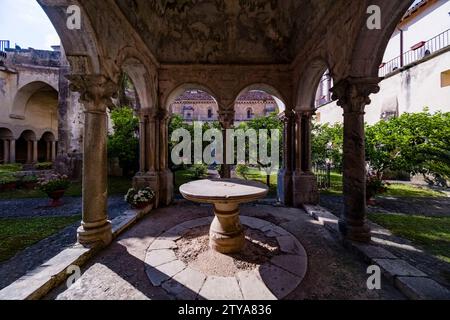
<point>226,31</point>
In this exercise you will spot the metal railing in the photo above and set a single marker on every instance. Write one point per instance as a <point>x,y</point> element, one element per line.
<point>423,50</point>
<point>4,44</point>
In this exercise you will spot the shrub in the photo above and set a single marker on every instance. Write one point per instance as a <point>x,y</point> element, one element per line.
<point>43,166</point>
<point>54,182</point>
<point>10,167</point>
<point>374,185</point>
<point>7,178</point>
<point>242,170</point>
<point>199,170</point>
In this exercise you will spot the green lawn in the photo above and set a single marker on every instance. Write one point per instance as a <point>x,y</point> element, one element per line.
<point>394,190</point>
<point>430,233</point>
<point>17,234</point>
<point>116,186</point>
<point>260,176</point>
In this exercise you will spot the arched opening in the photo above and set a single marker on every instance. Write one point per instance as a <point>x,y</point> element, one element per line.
<point>259,108</point>
<point>27,148</point>
<point>195,111</point>
<point>6,154</point>
<point>47,147</point>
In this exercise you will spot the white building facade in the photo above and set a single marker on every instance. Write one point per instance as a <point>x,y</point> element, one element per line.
<point>416,68</point>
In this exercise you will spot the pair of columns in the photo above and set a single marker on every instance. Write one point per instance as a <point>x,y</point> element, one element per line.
<point>226,119</point>
<point>297,184</point>
<point>32,151</point>
<point>154,153</point>
<point>51,151</point>
<point>9,151</point>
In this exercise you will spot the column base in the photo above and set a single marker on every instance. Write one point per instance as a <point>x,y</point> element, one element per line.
<point>96,236</point>
<point>226,234</point>
<point>305,189</point>
<point>148,179</point>
<point>166,187</point>
<point>285,187</point>
<point>355,230</point>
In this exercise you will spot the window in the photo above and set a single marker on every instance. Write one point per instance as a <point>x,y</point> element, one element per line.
<point>445,79</point>
<point>210,113</point>
<point>249,114</point>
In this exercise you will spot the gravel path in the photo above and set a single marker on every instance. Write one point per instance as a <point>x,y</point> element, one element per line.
<point>20,208</point>
<point>34,256</point>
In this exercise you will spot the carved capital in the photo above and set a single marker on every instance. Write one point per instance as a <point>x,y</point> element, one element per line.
<point>226,118</point>
<point>352,94</point>
<point>305,114</point>
<point>96,91</point>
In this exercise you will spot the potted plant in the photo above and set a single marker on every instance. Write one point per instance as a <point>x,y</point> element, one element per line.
<point>140,198</point>
<point>29,182</point>
<point>8,182</point>
<point>55,187</point>
<point>374,185</point>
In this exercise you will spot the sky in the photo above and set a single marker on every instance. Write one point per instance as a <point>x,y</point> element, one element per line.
<point>24,23</point>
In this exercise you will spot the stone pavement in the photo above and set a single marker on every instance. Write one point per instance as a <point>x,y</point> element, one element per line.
<point>403,248</point>
<point>119,272</point>
<point>34,256</point>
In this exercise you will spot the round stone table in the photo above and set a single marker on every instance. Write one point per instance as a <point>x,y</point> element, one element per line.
<point>226,232</point>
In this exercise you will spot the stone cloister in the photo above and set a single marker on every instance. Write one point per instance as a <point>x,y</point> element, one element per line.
<point>224,48</point>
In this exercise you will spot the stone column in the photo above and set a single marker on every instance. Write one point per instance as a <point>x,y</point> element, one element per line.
<point>35,151</point>
<point>352,95</point>
<point>165,175</point>
<point>48,151</point>
<point>29,151</point>
<point>148,175</point>
<point>6,149</point>
<point>285,191</point>
<point>96,92</point>
<point>53,153</point>
<point>12,151</point>
<point>226,119</point>
<point>142,144</point>
<point>305,182</point>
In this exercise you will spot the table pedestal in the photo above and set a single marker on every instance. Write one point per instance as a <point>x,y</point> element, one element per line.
<point>226,234</point>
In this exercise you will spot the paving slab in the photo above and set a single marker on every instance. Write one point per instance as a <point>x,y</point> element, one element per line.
<point>221,288</point>
<point>162,273</point>
<point>290,245</point>
<point>279,281</point>
<point>156,258</point>
<point>296,265</point>
<point>252,286</point>
<point>420,288</point>
<point>163,244</point>
<point>186,285</point>
<point>398,268</point>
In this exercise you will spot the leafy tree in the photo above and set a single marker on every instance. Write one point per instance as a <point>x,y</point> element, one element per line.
<point>417,143</point>
<point>327,144</point>
<point>124,143</point>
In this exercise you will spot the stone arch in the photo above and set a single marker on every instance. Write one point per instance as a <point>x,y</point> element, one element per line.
<point>308,83</point>
<point>144,79</point>
<point>267,88</point>
<point>28,135</point>
<point>371,45</point>
<point>180,89</point>
<point>48,136</point>
<point>25,93</point>
<point>81,48</point>
<point>6,133</point>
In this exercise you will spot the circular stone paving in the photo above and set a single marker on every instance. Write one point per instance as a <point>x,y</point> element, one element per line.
<point>272,264</point>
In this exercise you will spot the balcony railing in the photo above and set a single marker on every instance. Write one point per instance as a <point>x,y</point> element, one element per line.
<point>418,52</point>
<point>4,44</point>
